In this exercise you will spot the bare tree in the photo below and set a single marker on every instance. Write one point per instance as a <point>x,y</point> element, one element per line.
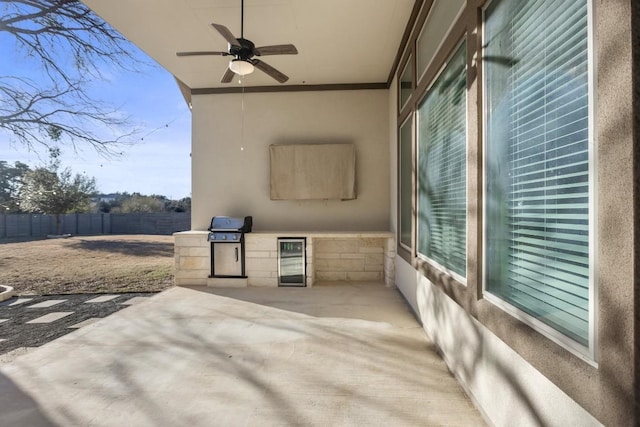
<point>71,45</point>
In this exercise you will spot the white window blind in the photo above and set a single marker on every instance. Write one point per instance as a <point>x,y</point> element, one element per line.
<point>442,194</point>
<point>537,160</point>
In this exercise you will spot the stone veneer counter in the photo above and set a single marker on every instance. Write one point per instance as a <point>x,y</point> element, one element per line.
<point>330,256</point>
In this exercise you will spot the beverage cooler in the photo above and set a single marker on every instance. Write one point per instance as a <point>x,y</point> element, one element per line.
<point>292,262</point>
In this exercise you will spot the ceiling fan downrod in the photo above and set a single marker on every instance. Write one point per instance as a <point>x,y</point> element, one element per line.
<point>242,19</point>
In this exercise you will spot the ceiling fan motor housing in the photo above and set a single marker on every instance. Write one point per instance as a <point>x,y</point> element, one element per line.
<point>244,51</point>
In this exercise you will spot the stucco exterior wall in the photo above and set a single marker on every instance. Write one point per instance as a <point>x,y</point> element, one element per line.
<point>502,384</point>
<point>230,157</point>
<point>515,374</point>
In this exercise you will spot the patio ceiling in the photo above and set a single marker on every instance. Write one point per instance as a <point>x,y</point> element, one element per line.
<point>339,41</point>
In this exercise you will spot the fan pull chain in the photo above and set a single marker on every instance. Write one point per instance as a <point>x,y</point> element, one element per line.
<point>242,115</point>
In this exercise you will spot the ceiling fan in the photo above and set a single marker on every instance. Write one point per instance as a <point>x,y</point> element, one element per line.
<point>244,52</point>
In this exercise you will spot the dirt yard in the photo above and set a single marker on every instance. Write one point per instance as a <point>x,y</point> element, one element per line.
<point>88,264</point>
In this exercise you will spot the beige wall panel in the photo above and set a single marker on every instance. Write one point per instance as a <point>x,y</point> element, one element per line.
<point>230,157</point>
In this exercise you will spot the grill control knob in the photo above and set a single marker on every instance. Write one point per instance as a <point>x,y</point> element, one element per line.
<point>224,237</point>
<point>213,237</point>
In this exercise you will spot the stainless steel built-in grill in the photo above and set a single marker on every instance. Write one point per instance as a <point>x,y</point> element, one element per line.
<point>226,235</point>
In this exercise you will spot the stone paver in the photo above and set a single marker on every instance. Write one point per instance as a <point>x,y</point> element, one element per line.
<point>17,301</point>
<point>103,298</point>
<point>51,317</point>
<point>343,355</point>
<point>17,332</point>
<point>47,303</point>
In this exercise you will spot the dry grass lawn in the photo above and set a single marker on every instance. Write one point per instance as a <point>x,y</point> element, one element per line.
<point>88,264</point>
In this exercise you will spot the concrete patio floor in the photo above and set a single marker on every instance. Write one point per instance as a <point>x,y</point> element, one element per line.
<point>339,355</point>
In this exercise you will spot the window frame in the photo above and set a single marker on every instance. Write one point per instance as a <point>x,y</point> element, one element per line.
<point>419,75</point>
<point>457,277</point>
<point>408,65</point>
<point>589,353</point>
<point>411,121</point>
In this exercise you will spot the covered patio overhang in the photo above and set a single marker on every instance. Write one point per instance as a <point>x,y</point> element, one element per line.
<point>343,87</point>
<point>349,50</point>
<point>340,42</point>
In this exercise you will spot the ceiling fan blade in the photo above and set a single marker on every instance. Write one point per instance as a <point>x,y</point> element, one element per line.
<point>228,35</point>
<point>227,76</point>
<point>202,53</point>
<point>278,49</point>
<point>268,69</point>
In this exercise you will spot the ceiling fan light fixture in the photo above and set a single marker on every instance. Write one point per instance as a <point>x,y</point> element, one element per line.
<point>241,67</point>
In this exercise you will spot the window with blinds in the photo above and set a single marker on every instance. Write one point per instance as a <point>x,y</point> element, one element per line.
<point>442,174</point>
<point>537,160</point>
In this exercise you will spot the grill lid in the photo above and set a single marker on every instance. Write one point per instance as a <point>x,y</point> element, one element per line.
<point>228,223</point>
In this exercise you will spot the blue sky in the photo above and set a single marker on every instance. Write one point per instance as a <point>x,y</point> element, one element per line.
<point>159,161</point>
